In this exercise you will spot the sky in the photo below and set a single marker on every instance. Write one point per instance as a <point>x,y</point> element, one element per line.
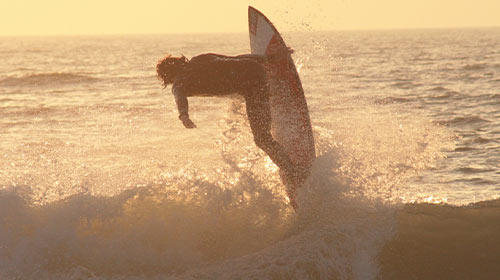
<point>89,17</point>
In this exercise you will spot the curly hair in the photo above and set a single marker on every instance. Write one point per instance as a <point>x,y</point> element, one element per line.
<point>168,67</point>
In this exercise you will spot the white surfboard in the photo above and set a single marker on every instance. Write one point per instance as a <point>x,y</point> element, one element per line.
<point>291,125</point>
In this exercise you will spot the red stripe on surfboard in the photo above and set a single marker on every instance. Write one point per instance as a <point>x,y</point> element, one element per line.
<point>283,67</point>
<point>284,71</point>
<point>252,20</point>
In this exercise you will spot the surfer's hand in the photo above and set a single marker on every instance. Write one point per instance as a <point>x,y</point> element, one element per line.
<point>186,121</point>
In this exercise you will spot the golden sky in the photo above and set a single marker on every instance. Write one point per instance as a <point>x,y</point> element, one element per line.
<point>74,17</point>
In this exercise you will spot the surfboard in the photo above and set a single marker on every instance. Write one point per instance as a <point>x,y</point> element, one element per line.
<point>291,125</point>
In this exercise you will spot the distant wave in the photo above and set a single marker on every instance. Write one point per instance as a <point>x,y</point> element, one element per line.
<point>439,89</point>
<point>476,66</point>
<point>47,79</point>
<point>390,100</point>
<point>405,85</point>
<point>470,170</point>
<point>482,140</point>
<point>446,69</point>
<point>444,93</point>
<point>434,241</point>
<point>491,99</point>
<point>466,120</point>
<point>465,149</point>
<point>475,144</point>
<point>474,181</point>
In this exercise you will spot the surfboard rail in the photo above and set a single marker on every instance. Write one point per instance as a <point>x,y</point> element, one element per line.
<point>291,125</point>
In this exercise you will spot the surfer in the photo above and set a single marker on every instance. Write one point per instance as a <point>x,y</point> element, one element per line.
<point>219,75</point>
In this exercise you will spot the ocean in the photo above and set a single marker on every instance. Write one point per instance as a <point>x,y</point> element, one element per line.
<point>100,180</point>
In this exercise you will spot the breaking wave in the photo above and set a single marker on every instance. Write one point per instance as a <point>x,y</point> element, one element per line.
<point>190,226</point>
<point>234,224</point>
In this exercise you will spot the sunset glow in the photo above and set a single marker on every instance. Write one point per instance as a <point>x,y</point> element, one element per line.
<point>59,17</point>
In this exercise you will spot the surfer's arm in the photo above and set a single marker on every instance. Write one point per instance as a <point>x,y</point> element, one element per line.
<point>280,54</point>
<point>257,57</point>
<point>182,107</point>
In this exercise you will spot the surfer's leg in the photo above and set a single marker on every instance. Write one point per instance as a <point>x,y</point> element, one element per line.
<point>259,117</point>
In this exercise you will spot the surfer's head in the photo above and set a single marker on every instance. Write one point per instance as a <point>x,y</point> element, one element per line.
<point>168,67</point>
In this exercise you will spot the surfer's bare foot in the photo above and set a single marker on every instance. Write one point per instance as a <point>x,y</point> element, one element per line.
<point>294,180</point>
<point>292,196</point>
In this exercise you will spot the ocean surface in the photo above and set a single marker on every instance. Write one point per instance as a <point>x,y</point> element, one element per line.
<point>99,179</point>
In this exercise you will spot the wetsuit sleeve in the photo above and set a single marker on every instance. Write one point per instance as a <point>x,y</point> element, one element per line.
<point>281,54</point>
<point>181,101</point>
<point>182,107</point>
<point>259,58</point>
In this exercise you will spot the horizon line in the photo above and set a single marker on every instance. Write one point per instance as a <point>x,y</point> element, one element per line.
<point>244,32</point>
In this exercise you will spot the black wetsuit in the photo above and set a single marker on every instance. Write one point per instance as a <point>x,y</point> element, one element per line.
<point>218,75</point>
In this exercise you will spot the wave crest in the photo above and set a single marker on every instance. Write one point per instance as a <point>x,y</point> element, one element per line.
<point>160,229</point>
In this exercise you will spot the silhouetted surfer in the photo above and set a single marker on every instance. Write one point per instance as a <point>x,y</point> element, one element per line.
<point>218,75</point>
